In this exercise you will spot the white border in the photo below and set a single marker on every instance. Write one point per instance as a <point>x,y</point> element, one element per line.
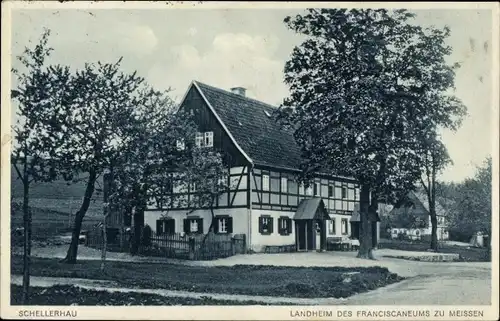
<point>221,312</point>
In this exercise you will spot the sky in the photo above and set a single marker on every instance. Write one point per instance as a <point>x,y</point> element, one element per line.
<point>249,47</point>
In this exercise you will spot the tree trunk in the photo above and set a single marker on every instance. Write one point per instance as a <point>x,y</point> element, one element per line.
<point>89,191</point>
<point>432,213</point>
<point>210,228</point>
<point>365,242</point>
<point>27,239</point>
<point>104,243</point>
<point>138,225</point>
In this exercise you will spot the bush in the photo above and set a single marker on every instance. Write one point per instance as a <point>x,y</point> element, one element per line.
<point>146,234</point>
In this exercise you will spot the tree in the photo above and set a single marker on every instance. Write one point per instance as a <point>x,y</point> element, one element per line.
<point>40,93</point>
<point>99,119</point>
<point>361,84</point>
<point>471,206</point>
<point>434,158</point>
<point>208,173</point>
<point>157,152</point>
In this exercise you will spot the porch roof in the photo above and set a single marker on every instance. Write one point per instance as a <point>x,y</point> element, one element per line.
<point>311,208</point>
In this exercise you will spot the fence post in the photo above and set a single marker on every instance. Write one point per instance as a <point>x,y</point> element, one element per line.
<point>191,248</point>
<point>233,245</point>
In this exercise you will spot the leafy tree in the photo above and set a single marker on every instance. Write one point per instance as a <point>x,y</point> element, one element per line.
<point>471,206</point>
<point>39,93</point>
<point>362,84</point>
<point>155,157</point>
<point>99,118</point>
<point>210,175</point>
<point>433,159</point>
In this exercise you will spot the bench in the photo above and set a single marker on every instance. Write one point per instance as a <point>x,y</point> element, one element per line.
<point>338,243</point>
<point>279,248</point>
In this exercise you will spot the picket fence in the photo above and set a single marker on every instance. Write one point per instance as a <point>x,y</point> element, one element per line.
<point>180,246</point>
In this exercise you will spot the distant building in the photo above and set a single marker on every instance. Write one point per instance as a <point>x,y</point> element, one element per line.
<point>412,218</point>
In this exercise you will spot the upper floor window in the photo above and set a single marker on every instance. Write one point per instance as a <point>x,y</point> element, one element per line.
<point>316,189</point>
<point>199,139</point>
<point>180,144</point>
<point>209,139</point>
<point>309,190</point>
<point>301,189</point>
<point>192,187</point>
<point>344,192</point>
<point>265,182</point>
<point>284,184</point>
<point>330,191</point>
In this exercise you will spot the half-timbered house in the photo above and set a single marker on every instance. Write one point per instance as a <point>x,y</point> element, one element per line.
<point>265,202</point>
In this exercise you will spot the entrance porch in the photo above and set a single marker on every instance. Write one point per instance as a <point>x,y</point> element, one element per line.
<point>310,225</point>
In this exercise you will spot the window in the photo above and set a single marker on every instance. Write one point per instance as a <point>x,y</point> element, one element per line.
<point>331,227</point>
<point>209,139</point>
<point>180,144</point>
<point>223,224</point>
<point>301,189</point>
<point>344,226</point>
<point>284,184</point>
<point>309,191</point>
<point>165,226</point>
<point>344,192</point>
<point>193,225</point>
<point>265,182</point>
<point>316,189</point>
<point>199,139</point>
<point>285,225</point>
<point>192,187</point>
<point>330,191</point>
<point>266,224</point>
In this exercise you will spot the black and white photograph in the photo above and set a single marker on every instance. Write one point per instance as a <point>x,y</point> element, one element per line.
<point>239,161</point>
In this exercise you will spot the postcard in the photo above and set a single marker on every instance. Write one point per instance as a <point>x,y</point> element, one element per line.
<point>249,161</point>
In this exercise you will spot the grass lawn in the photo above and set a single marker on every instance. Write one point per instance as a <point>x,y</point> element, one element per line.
<point>468,254</point>
<point>71,295</point>
<point>300,282</point>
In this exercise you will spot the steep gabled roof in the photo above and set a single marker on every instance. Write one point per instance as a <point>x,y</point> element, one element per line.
<point>254,129</point>
<point>419,198</point>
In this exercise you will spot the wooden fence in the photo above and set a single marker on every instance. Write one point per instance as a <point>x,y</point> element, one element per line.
<point>180,246</point>
<point>194,247</point>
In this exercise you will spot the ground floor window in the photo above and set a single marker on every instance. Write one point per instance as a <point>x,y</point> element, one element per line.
<point>193,225</point>
<point>344,226</point>
<point>331,227</point>
<point>165,226</point>
<point>285,225</point>
<point>265,224</point>
<point>223,224</point>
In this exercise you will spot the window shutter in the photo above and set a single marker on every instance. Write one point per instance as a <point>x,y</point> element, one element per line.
<point>200,225</point>
<point>158,227</point>
<point>271,225</point>
<point>186,226</point>
<point>229,221</point>
<point>281,230</point>
<point>170,226</point>
<point>289,226</point>
<point>216,224</point>
<point>260,225</point>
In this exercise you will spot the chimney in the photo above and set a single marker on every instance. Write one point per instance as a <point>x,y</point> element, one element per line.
<point>239,91</point>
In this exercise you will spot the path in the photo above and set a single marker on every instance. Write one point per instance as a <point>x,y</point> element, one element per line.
<point>429,283</point>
